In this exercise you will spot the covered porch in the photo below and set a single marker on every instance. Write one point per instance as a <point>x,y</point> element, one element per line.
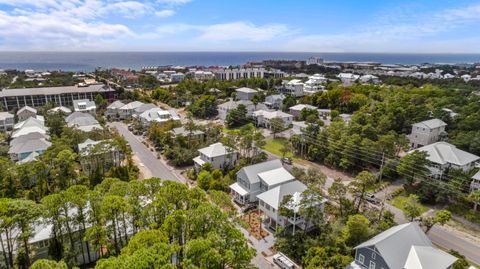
<point>240,194</point>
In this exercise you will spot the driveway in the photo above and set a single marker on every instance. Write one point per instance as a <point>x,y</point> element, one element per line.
<point>147,158</point>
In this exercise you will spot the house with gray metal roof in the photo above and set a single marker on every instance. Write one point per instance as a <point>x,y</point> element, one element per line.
<point>218,155</point>
<point>444,156</point>
<point>85,105</point>
<point>255,179</point>
<point>23,148</point>
<point>404,246</point>
<point>192,134</point>
<point>82,121</point>
<point>62,109</point>
<point>427,132</point>
<point>245,93</point>
<point>270,202</point>
<point>26,112</point>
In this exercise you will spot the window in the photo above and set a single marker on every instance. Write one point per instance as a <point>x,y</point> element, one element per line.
<point>372,265</point>
<point>373,255</point>
<point>361,258</point>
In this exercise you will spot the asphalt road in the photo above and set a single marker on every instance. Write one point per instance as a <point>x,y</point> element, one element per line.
<point>146,157</point>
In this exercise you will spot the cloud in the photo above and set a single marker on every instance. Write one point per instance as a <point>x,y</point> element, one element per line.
<point>232,31</point>
<point>242,31</point>
<point>165,13</point>
<point>397,31</point>
<point>173,2</point>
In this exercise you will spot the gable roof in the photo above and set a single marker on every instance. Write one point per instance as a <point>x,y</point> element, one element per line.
<point>116,104</point>
<point>214,150</point>
<point>271,114</point>
<point>29,136</point>
<point>300,107</point>
<point>421,257</point>
<point>132,105</point>
<point>394,244</point>
<point>27,130</point>
<point>26,108</point>
<point>183,132</point>
<point>60,108</point>
<point>276,176</point>
<point>5,115</point>
<point>246,90</point>
<point>144,107</point>
<point>88,104</point>
<point>431,124</point>
<point>443,152</point>
<point>275,196</point>
<point>30,122</point>
<point>30,146</point>
<point>251,172</point>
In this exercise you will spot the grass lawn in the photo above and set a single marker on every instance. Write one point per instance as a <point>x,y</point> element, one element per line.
<point>275,146</point>
<point>399,202</point>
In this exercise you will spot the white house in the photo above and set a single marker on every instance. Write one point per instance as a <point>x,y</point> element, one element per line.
<point>218,155</point>
<point>427,132</point>
<point>475,184</point>
<point>31,125</point>
<point>128,110</point>
<point>314,60</point>
<point>245,93</point>
<point>369,79</point>
<point>7,120</point>
<point>203,75</point>
<point>450,112</point>
<point>274,101</point>
<point>82,121</point>
<point>182,132</point>
<point>263,118</point>
<point>293,87</point>
<point>296,110</point>
<point>84,105</point>
<point>157,115</point>
<point>62,109</point>
<point>113,109</point>
<point>314,84</point>
<point>270,202</point>
<point>348,78</point>
<point>26,112</point>
<point>224,108</point>
<point>444,156</point>
<point>324,112</point>
<point>255,179</point>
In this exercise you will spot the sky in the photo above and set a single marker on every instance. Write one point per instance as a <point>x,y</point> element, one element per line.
<point>393,26</point>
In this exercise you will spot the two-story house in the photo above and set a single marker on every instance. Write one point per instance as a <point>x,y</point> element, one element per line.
<point>270,202</point>
<point>98,156</point>
<point>113,109</point>
<point>7,120</point>
<point>404,246</point>
<point>296,110</point>
<point>444,156</point>
<point>226,107</point>
<point>218,155</point>
<point>293,87</point>
<point>128,110</point>
<point>26,112</point>
<point>196,135</point>
<point>85,105</point>
<point>245,93</point>
<point>427,132</point>
<point>255,179</point>
<point>263,118</point>
<point>274,101</point>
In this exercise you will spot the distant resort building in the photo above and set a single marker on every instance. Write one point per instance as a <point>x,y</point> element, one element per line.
<point>60,96</point>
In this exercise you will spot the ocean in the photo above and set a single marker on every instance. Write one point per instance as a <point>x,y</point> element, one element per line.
<point>88,61</point>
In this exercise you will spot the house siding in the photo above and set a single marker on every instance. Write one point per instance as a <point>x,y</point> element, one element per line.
<point>368,257</point>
